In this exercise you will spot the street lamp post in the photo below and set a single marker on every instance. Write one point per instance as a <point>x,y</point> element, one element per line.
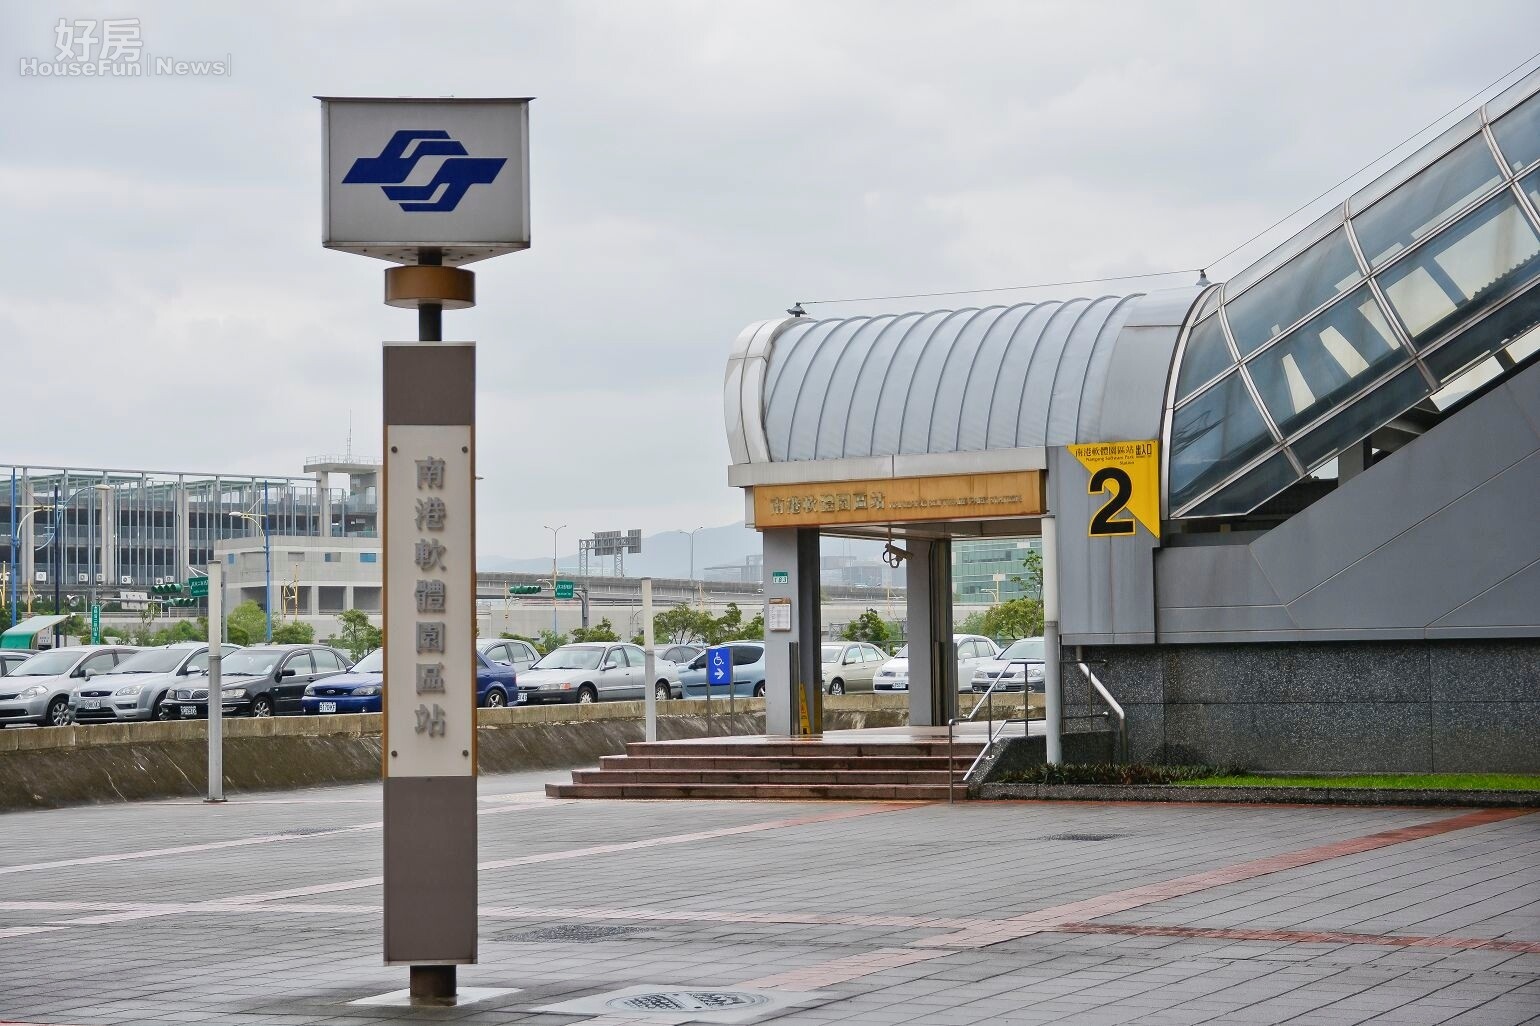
<point>554,532</point>
<point>267,557</point>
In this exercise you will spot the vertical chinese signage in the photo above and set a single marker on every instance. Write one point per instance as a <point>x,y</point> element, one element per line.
<point>430,692</point>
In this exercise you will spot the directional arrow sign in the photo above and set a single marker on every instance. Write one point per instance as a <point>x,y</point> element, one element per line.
<point>719,665</point>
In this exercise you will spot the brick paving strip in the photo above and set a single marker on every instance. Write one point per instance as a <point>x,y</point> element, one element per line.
<point>1070,917</point>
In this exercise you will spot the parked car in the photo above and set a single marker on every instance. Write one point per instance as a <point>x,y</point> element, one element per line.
<point>1021,665</point>
<point>137,687</point>
<point>681,655</point>
<point>361,689</point>
<point>748,673</point>
<point>592,670</point>
<point>849,666</point>
<point>38,691</point>
<point>11,658</point>
<point>973,650</point>
<point>521,655</point>
<point>264,680</point>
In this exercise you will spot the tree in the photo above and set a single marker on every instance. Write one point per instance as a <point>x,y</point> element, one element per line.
<point>293,632</point>
<point>247,624</point>
<point>602,631</point>
<point>75,626</point>
<point>549,641</point>
<point>680,625</point>
<point>868,627</point>
<point>1032,580</point>
<point>973,623</point>
<point>182,630</point>
<point>1018,618</point>
<point>358,636</point>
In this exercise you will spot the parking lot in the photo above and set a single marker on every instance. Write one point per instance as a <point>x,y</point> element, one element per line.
<point>266,910</point>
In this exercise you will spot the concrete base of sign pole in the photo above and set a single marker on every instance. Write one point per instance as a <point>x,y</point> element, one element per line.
<point>432,984</point>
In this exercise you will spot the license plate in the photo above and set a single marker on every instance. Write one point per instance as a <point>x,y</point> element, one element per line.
<point>189,711</point>
<point>327,707</point>
<point>90,703</point>
<point>521,699</point>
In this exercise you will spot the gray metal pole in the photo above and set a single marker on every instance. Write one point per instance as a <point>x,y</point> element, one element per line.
<point>216,719</point>
<point>1052,695</point>
<point>649,661</point>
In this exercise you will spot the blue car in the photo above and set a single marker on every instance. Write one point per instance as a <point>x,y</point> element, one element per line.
<point>748,673</point>
<point>359,690</point>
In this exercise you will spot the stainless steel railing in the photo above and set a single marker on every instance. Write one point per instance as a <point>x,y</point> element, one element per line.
<point>1115,709</point>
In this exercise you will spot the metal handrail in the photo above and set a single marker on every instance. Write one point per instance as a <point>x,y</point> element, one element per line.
<point>994,735</point>
<point>1112,704</point>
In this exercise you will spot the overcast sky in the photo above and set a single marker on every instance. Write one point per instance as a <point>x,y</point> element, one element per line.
<point>165,301</point>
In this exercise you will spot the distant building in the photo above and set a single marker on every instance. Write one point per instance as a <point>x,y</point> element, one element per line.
<point>990,570</point>
<point>103,533</point>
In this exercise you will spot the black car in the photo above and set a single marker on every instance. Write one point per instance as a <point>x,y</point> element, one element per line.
<point>266,680</point>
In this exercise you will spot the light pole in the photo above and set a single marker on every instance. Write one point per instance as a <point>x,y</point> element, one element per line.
<point>554,532</point>
<point>680,530</point>
<point>267,557</point>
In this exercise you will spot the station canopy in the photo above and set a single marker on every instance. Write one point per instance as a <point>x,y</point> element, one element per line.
<point>1414,292</point>
<point>22,635</point>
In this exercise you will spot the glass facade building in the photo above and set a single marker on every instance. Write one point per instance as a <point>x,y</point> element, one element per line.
<point>1416,290</point>
<point>112,529</point>
<point>990,570</point>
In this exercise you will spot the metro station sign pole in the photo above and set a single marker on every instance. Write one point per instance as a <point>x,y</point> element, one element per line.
<point>428,185</point>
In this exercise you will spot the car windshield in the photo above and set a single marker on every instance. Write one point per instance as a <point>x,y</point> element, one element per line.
<point>374,662</point>
<point>152,660</point>
<point>831,653</point>
<point>1026,648</point>
<point>252,662</point>
<point>570,657</point>
<point>48,664</point>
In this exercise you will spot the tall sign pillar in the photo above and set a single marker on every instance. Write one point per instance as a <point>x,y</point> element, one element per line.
<point>428,185</point>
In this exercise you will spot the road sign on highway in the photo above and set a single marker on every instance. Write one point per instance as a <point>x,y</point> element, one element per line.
<point>96,624</point>
<point>563,589</point>
<point>198,587</point>
<point>719,665</point>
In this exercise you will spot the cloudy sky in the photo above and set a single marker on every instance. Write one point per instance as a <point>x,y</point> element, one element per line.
<point>165,301</point>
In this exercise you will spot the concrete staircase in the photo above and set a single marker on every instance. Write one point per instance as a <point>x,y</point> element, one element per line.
<point>791,769</point>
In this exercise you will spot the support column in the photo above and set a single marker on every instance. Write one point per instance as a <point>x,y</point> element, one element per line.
<point>184,560</point>
<point>794,552</point>
<point>932,654</point>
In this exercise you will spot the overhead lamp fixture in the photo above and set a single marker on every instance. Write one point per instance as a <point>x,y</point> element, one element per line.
<point>796,310</point>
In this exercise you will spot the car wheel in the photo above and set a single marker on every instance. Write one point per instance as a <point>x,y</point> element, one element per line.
<point>262,707</point>
<point>162,710</point>
<point>587,695</point>
<point>836,687</point>
<point>58,712</point>
<point>496,699</point>
<point>759,690</point>
<point>661,693</point>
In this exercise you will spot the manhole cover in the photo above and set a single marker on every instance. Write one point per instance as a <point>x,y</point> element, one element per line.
<point>1081,837</point>
<point>688,1001</point>
<point>571,934</point>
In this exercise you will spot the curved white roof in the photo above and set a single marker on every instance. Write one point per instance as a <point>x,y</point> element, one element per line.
<point>943,381</point>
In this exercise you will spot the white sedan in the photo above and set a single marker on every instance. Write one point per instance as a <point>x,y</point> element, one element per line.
<point>973,650</point>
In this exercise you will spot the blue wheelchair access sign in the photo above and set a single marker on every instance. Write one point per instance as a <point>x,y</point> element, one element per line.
<point>719,665</point>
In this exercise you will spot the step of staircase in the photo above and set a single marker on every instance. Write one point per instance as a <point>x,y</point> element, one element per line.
<point>773,792</point>
<point>793,769</point>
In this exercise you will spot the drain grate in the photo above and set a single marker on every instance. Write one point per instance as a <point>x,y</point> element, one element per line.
<point>573,933</point>
<point>1080,837</point>
<point>688,1001</point>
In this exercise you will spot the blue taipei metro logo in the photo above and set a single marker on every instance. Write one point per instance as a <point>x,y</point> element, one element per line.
<point>455,175</point>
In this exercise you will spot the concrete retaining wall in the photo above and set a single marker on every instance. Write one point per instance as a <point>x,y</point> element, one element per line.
<point>57,766</point>
<point>1349,706</point>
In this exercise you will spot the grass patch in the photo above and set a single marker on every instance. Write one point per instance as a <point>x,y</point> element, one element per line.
<point>1396,781</point>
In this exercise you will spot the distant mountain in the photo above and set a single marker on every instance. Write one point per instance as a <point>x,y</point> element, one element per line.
<point>668,554</point>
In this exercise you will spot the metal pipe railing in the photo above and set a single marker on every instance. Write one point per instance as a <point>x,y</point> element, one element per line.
<point>1112,704</point>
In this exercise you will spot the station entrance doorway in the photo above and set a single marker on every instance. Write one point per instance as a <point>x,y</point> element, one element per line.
<point>918,517</point>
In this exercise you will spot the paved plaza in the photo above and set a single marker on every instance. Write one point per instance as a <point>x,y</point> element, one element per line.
<point>266,910</point>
